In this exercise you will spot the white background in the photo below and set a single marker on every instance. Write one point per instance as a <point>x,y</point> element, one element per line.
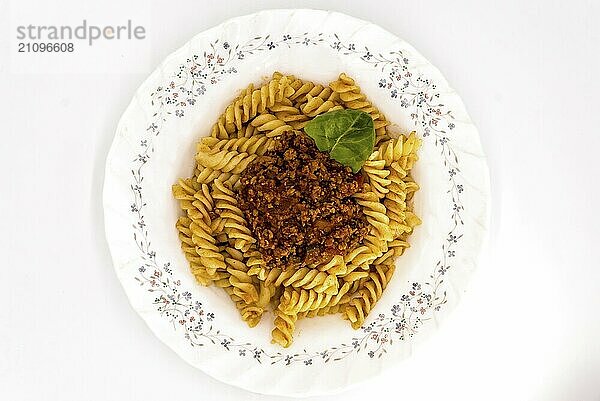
<point>529,327</point>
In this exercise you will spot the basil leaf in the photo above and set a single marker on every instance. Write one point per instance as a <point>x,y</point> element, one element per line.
<point>348,136</point>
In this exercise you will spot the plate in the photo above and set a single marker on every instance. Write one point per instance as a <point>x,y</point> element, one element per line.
<point>154,145</point>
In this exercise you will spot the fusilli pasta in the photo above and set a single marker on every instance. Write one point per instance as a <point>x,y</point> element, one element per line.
<point>222,250</point>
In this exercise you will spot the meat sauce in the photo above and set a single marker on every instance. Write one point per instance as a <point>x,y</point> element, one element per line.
<point>298,204</point>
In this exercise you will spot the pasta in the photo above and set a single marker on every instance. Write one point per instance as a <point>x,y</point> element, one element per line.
<point>234,223</point>
<point>223,251</point>
<point>363,300</point>
<point>284,327</point>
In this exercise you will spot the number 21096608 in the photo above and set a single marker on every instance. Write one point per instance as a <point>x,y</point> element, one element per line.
<point>36,47</point>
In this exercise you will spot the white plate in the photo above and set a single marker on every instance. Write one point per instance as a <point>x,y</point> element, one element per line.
<point>154,145</point>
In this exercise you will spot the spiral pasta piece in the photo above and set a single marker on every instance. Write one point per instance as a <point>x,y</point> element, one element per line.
<point>290,115</point>
<point>284,328</point>
<point>376,214</point>
<point>317,105</point>
<point>395,202</point>
<point>270,124</point>
<point>339,297</point>
<point>234,225</point>
<point>266,293</point>
<point>356,285</point>
<point>256,144</point>
<point>326,310</point>
<point>399,155</point>
<point>336,266</point>
<point>363,301</point>
<point>254,293</point>
<point>206,247</point>
<point>249,104</point>
<point>402,150</point>
<point>205,175</point>
<point>296,300</point>
<point>377,245</point>
<point>256,264</point>
<point>355,275</point>
<point>335,305</point>
<point>189,250</point>
<point>243,284</point>
<point>389,256</point>
<point>304,277</point>
<point>359,257</point>
<point>302,91</point>
<point>200,250</point>
<point>377,175</point>
<point>194,199</point>
<point>363,255</point>
<point>221,129</point>
<point>402,219</point>
<point>196,231</point>
<point>226,161</point>
<point>250,313</point>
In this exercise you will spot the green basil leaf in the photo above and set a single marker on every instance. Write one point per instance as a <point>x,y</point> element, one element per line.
<point>348,136</point>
